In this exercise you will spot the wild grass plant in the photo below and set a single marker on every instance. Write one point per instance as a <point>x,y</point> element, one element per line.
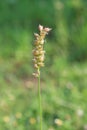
<point>38,60</point>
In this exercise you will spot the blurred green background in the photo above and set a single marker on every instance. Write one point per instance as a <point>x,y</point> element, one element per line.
<point>64,77</point>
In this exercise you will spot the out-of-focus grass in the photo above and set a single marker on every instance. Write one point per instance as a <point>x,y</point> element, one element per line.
<point>64,98</point>
<point>64,85</point>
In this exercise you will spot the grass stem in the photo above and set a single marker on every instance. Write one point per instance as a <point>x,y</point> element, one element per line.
<point>39,99</point>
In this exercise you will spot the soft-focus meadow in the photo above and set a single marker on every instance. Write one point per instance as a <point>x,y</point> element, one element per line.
<point>64,77</point>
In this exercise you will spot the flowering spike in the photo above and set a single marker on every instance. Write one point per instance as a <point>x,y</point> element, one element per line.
<point>38,52</point>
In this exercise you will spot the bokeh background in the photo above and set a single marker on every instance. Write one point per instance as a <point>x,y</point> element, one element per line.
<point>64,77</point>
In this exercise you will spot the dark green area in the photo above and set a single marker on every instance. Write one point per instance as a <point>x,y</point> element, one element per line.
<point>64,77</point>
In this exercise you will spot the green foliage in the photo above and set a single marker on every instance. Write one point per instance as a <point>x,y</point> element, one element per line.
<point>64,78</point>
<point>63,99</point>
<point>67,18</point>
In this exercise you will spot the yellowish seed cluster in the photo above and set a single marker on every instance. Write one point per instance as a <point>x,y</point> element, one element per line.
<point>38,51</point>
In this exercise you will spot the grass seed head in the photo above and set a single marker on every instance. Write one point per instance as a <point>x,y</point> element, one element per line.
<point>39,52</point>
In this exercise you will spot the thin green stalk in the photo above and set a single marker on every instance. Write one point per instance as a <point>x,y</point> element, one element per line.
<point>39,99</point>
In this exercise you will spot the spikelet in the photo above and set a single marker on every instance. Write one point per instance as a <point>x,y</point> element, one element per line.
<point>39,52</point>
